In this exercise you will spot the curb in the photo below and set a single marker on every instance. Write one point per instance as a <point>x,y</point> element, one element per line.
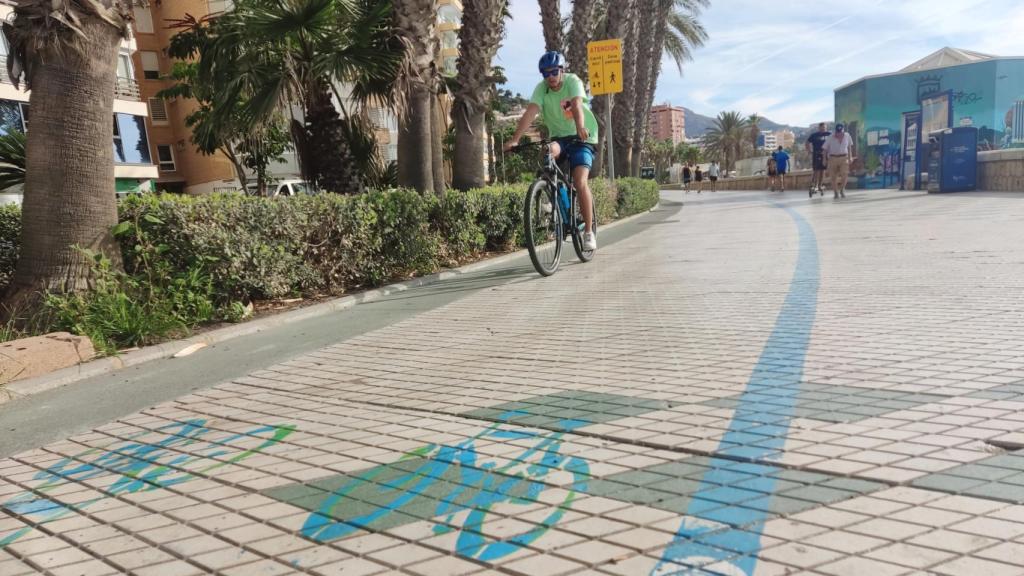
<point>22,388</point>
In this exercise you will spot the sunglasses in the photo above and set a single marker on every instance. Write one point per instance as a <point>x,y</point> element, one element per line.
<point>551,72</point>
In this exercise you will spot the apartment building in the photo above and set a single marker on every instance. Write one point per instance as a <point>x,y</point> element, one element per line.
<point>182,168</point>
<point>667,122</point>
<point>134,167</point>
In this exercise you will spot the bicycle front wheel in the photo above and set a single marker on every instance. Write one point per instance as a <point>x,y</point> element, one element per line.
<point>543,227</point>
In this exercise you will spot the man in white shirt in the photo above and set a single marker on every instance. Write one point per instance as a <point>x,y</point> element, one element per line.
<point>713,175</point>
<point>838,151</point>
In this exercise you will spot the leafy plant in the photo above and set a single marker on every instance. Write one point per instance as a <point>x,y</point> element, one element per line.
<point>12,159</point>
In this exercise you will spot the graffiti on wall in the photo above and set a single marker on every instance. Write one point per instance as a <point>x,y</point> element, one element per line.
<point>146,461</point>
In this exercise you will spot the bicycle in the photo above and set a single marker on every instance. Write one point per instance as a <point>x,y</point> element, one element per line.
<point>548,216</point>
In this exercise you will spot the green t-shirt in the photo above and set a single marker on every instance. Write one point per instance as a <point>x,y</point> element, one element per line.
<point>554,108</point>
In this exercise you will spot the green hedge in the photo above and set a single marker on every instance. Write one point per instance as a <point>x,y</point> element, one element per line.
<point>260,248</point>
<point>10,241</point>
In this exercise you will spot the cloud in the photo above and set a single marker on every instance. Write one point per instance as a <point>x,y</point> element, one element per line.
<point>784,60</point>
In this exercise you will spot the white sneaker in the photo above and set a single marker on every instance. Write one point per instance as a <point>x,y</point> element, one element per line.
<point>545,206</point>
<point>589,241</point>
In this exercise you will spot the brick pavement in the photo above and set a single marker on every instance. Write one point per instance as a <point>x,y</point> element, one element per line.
<point>753,386</point>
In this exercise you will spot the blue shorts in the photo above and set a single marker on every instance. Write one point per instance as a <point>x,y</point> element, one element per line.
<point>577,153</point>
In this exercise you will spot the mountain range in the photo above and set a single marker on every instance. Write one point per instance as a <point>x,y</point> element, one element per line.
<point>698,124</point>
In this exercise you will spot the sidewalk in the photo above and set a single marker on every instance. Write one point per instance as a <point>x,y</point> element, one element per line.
<point>758,385</point>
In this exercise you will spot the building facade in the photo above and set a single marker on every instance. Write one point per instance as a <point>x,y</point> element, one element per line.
<point>667,122</point>
<point>983,91</point>
<point>182,168</point>
<point>134,164</point>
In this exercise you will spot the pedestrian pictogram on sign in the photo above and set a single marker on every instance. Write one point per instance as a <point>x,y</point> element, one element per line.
<point>605,62</point>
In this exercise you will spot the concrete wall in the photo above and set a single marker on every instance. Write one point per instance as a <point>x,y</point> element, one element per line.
<point>1001,170</point>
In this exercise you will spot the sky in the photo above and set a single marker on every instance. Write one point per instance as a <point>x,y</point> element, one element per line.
<point>782,59</point>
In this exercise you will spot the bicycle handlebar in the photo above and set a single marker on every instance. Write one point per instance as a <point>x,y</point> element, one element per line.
<point>542,142</point>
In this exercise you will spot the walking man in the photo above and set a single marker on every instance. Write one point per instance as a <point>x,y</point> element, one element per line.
<point>713,175</point>
<point>698,177</point>
<point>781,167</point>
<point>838,151</point>
<point>686,177</point>
<point>816,146</point>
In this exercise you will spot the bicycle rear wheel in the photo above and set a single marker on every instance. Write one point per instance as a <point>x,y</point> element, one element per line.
<point>543,222</point>
<point>577,234</point>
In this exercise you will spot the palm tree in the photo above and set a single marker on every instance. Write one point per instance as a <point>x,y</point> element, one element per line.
<point>67,53</point>
<point>270,56</point>
<point>12,159</point>
<point>727,137</point>
<point>623,22</point>
<point>584,21</point>
<point>551,20</point>
<point>483,29</point>
<point>417,22</point>
<point>754,121</point>
<point>676,19</point>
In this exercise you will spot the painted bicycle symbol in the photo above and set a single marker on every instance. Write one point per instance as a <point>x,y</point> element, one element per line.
<point>446,481</point>
<point>138,466</point>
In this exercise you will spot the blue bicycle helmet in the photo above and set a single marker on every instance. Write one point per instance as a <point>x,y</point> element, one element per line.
<point>551,60</point>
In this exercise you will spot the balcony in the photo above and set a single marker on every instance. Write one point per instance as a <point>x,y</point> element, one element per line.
<point>126,89</point>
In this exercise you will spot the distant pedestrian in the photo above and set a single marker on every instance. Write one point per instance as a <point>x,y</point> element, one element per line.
<point>713,175</point>
<point>781,167</point>
<point>687,175</point>
<point>698,176</point>
<point>771,169</point>
<point>838,150</point>
<point>816,146</point>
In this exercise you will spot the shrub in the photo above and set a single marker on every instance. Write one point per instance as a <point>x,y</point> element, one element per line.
<point>10,242</point>
<point>192,260</point>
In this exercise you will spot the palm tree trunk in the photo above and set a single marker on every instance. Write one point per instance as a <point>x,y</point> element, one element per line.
<point>649,65</point>
<point>622,114</point>
<point>416,19</point>
<point>416,141</point>
<point>329,154</point>
<point>482,28</point>
<point>551,20</point>
<point>69,183</point>
<point>584,21</point>
<point>438,129</point>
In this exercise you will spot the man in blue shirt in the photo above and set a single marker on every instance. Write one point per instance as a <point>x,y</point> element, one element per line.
<point>815,145</point>
<point>781,167</point>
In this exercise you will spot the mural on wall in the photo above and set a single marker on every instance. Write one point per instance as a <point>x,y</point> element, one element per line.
<point>146,461</point>
<point>988,95</point>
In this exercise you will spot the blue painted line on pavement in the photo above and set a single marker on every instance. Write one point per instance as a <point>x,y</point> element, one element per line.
<point>730,537</point>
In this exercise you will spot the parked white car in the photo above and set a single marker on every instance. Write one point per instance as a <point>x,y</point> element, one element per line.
<point>283,188</point>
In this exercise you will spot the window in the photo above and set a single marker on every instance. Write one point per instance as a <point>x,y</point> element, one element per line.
<point>10,117</point>
<point>449,40</point>
<point>131,146</point>
<point>449,14</point>
<point>218,6</point>
<point>143,20</point>
<point>165,158</point>
<point>124,66</point>
<point>157,111</point>
<point>150,65</point>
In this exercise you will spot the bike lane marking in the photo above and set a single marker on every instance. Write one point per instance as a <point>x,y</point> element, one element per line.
<point>730,537</point>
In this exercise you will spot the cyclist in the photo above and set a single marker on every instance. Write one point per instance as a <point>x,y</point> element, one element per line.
<point>562,101</point>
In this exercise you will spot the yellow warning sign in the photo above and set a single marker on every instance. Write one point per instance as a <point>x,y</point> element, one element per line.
<point>604,59</point>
